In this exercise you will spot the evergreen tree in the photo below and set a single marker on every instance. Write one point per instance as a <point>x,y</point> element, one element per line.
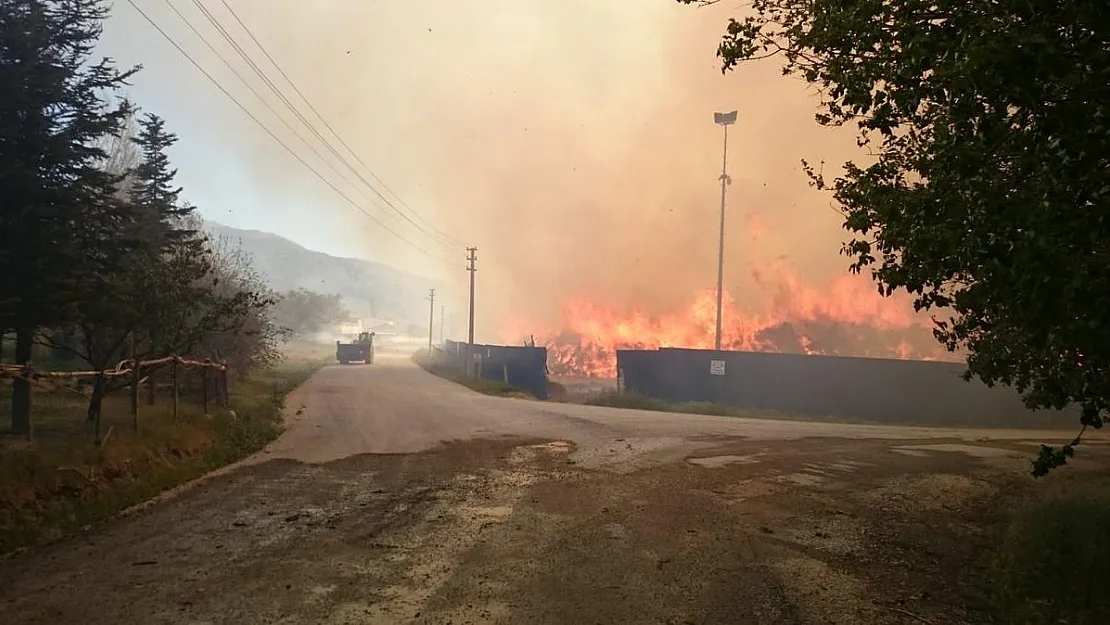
<point>175,259</point>
<point>154,191</point>
<point>59,220</point>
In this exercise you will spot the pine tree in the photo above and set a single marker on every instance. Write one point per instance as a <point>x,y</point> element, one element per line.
<point>176,257</point>
<point>58,214</point>
<point>154,190</point>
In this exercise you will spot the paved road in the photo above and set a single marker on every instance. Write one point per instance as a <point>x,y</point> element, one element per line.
<point>398,497</point>
<point>394,407</point>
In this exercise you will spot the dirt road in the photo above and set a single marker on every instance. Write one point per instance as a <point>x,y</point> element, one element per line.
<point>397,497</point>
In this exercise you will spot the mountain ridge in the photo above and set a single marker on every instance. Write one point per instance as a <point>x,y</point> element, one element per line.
<point>368,288</point>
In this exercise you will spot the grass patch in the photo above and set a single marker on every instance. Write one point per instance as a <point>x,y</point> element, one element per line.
<point>437,365</point>
<point>636,401</point>
<point>309,351</point>
<point>61,482</point>
<point>1053,555</point>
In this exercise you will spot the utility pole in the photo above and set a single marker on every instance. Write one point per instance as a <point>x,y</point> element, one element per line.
<point>431,317</point>
<point>472,256</point>
<point>442,321</point>
<point>726,120</point>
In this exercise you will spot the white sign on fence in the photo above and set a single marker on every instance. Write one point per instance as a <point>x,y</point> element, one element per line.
<point>716,367</point>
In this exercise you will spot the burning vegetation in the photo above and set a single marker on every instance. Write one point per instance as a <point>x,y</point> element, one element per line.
<point>847,318</point>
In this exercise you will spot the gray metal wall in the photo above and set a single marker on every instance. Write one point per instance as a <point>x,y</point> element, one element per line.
<point>526,366</point>
<point>871,389</point>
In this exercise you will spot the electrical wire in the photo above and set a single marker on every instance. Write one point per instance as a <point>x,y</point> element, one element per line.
<point>327,125</point>
<point>230,39</point>
<point>273,136</point>
<point>254,91</point>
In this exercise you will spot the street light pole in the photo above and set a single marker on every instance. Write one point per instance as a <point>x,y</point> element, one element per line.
<point>726,120</point>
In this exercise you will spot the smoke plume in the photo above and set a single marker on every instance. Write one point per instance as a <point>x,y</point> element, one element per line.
<point>572,142</point>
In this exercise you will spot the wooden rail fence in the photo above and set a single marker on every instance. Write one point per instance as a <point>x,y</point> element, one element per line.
<point>214,386</point>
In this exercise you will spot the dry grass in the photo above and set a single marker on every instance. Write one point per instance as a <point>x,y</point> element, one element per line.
<point>62,482</point>
<point>439,367</point>
<point>635,401</point>
<point>305,351</point>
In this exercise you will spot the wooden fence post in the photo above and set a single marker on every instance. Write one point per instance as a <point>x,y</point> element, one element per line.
<point>98,393</point>
<point>176,360</point>
<point>204,384</point>
<point>225,378</point>
<point>28,374</point>
<point>136,373</point>
<point>150,388</point>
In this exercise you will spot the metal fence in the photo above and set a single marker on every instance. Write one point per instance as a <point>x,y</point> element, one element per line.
<point>871,389</point>
<point>522,367</point>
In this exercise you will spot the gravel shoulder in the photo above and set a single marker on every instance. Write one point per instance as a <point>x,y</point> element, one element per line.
<point>397,497</point>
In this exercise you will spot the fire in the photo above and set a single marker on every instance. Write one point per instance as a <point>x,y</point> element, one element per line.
<point>847,317</point>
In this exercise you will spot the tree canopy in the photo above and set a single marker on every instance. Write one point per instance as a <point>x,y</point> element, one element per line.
<point>304,312</point>
<point>57,202</point>
<point>99,256</point>
<point>986,190</point>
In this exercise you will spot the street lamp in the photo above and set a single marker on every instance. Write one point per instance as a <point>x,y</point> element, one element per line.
<point>726,120</point>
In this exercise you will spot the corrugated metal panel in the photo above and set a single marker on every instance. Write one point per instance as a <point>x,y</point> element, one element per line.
<point>872,389</point>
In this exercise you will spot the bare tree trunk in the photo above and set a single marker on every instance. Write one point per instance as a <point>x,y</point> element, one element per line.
<point>136,375</point>
<point>150,388</point>
<point>176,367</point>
<point>96,404</point>
<point>225,377</point>
<point>204,384</point>
<point>21,387</point>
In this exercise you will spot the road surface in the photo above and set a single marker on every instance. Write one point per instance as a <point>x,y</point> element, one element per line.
<point>398,497</point>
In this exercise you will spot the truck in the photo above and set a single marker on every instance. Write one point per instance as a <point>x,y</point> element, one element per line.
<point>360,350</point>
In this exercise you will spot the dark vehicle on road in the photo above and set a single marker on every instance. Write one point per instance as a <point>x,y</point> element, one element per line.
<point>361,350</point>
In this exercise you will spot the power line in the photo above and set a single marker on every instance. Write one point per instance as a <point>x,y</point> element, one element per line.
<point>327,125</point>
<point>230,39</point>
<point>249,86</point>
<point>273,136</point>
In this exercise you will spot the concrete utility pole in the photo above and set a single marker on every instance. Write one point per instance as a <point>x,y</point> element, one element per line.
<point>726,120</point>
<point>431,317</point>
<point>472,256</point>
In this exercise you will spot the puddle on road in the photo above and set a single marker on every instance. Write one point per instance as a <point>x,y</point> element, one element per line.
<point>716,462</point>
<point>489,512</point>
<point>801,479</point>
<point>616,531</point>
<point>916,453</point>
<point>555,447</point>
<point>977,451</point>
<point>529,453</point>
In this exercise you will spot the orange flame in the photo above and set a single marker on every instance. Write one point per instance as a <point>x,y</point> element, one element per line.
<point>848,318</point>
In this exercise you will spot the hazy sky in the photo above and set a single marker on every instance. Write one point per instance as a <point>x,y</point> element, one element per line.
<point>571,141</point>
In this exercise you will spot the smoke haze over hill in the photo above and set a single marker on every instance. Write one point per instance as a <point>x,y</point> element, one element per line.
<point>368,289</point>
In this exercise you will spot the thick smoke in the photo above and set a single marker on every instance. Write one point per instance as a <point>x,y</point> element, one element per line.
<point>572,142</point>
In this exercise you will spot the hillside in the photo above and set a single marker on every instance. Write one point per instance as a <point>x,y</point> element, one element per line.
<point>368,288</point>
